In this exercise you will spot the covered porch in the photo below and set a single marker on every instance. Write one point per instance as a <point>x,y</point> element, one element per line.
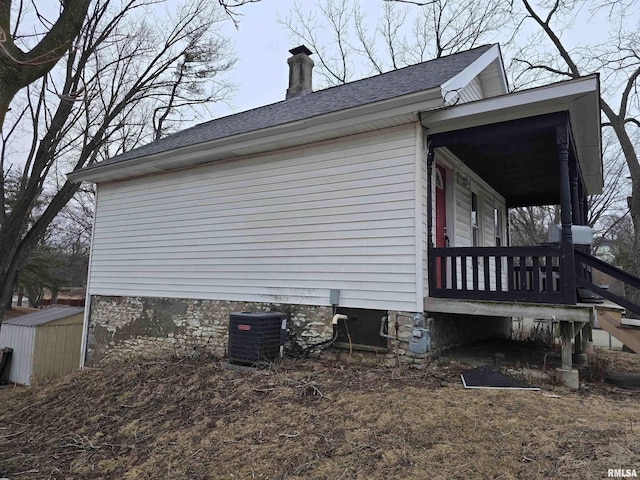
<point>533,148</point>
<point>539,147</point>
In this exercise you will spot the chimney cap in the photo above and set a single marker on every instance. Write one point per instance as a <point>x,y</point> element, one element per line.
<point>300,49</point>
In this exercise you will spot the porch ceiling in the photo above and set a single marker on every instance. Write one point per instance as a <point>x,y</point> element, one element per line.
<point>518,158</point>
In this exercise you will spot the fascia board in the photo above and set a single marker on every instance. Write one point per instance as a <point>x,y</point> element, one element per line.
<point>509,107</point>
<point>292,133</point>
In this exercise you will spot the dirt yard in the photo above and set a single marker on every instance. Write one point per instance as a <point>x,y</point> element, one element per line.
<point>307,419</point>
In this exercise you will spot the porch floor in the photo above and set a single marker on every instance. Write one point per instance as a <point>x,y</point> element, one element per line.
<point>582,312</point>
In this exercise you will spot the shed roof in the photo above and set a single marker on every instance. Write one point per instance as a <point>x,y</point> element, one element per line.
<point>44,316</point>
<point>396,83</point>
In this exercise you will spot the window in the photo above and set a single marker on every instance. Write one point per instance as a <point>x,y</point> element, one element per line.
<point>475,219</point>
<point>497,225</point>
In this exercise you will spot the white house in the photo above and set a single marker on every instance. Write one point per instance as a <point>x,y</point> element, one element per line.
<point>325,201</point>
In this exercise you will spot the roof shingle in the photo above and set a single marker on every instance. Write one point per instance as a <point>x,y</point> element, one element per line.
<point>407,80</point>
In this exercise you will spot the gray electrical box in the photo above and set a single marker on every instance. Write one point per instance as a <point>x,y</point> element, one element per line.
<point>582,234</point>
<point>334,296</point>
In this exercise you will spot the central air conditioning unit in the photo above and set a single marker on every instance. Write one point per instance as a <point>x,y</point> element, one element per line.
<point>256,337</point>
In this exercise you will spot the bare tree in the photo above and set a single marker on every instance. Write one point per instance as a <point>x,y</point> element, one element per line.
<point>617,59</point>
<point>231,8</point>
<point>349,43</point>
<point>20,64</point>
<point>612,202</point>
<point>335,17</point>
<point>100,101</point>
<point>530,225</point>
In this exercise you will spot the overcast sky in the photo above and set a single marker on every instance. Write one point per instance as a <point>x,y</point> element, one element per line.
<point>261,43</point>
<point>261,73</point>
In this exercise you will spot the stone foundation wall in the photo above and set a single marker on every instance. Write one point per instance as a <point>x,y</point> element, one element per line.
<point>151,327</point>
<point>123,327</point>
<point>451,330</point>
<point>398,351</point>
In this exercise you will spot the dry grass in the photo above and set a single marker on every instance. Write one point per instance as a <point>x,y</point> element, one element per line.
<point>309,419</point>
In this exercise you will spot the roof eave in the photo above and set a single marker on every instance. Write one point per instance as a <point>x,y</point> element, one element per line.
<point>403,109</point>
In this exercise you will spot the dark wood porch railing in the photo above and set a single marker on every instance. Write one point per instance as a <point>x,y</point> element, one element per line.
<point>525,274</point>
<point>586,263</point>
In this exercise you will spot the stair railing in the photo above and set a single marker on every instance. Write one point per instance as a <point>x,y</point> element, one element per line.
<point>585,263</point>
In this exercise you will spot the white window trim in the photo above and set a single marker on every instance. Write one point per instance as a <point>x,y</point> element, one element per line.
<point>478,226</point>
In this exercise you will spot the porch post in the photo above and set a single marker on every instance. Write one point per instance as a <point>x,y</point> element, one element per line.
<point>575,198</point>
<point>567,263</point>
<point>583,205</point>
<point>431,264</point>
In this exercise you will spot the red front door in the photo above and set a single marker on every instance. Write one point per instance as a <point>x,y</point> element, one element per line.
<point>441,216</point>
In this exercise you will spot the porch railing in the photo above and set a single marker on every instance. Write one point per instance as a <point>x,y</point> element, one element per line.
<point>526,274</point>
<point>586,264</point>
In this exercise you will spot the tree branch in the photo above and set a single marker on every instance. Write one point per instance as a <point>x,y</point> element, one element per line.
<point>573,68</point>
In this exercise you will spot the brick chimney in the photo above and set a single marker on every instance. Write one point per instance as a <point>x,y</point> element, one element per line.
<point>300,66</point>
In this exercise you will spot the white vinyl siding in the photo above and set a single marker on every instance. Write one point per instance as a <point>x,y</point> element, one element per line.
<point>492,80</point>
<point>464,181</point>
<point>472,91</point>
<point>284,227</point>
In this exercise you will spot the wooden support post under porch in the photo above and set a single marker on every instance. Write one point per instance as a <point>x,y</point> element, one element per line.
<point>575,322</point>
<point>568,332</point>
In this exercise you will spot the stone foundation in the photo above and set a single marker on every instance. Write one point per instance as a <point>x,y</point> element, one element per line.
<point>124,327</point>
<point>121,327</point>
<point>397,351</point>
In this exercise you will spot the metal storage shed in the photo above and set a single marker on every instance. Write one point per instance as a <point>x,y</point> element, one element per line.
<point>46,344</point>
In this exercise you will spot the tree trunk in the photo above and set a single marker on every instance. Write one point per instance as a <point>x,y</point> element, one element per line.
<point>19,69</point>
<point>19,249</point>
<point>633,201</point>
<point>54,296</point>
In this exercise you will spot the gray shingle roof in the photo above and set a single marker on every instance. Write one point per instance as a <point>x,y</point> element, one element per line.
<point>407,80</point>
<point>44,316</point>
